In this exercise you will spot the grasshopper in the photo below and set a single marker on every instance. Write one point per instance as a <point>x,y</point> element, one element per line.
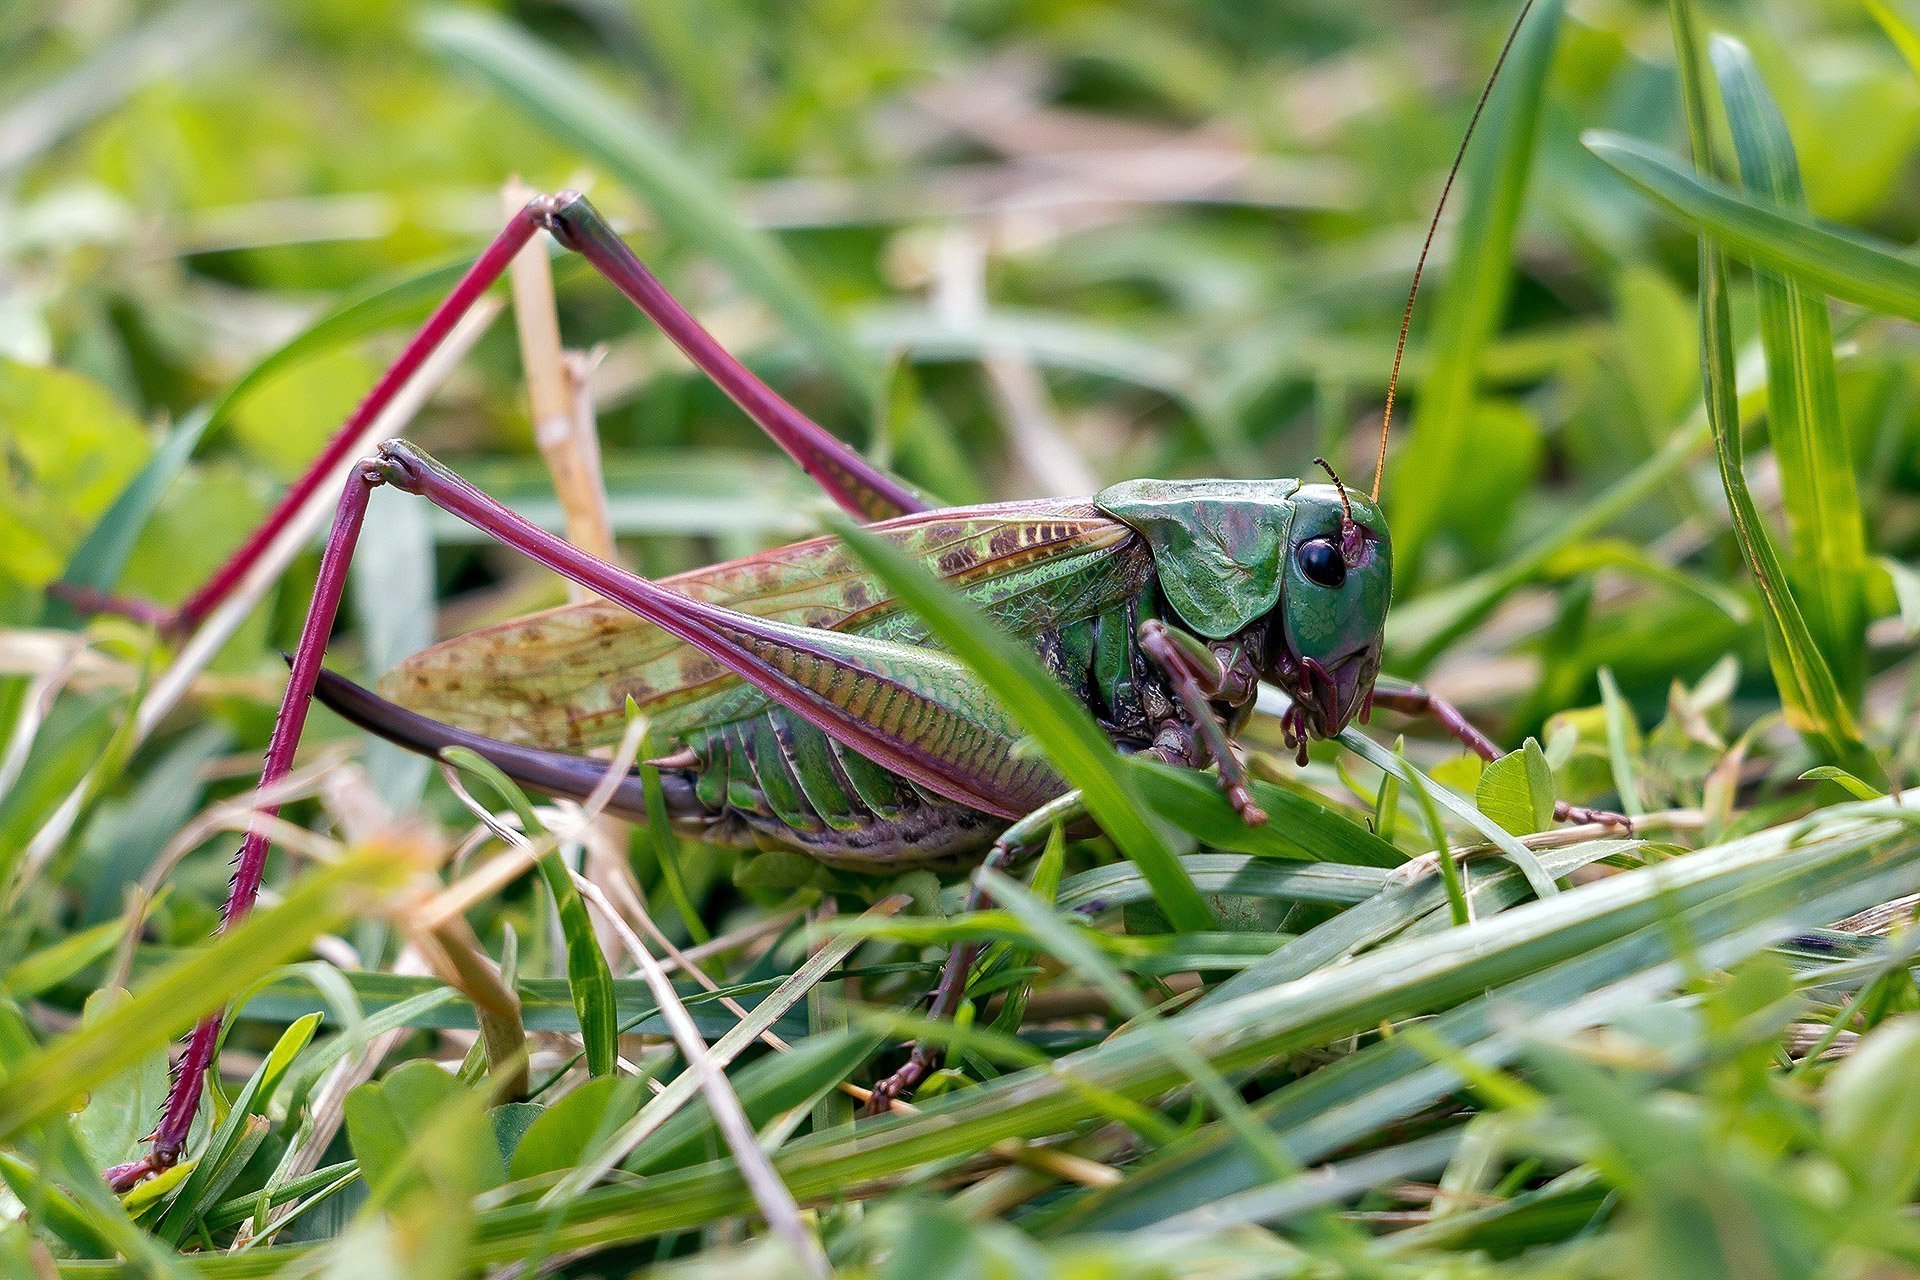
<point>807,709</point>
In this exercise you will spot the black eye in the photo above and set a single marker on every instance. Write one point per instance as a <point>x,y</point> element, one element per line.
<point>1322,562</point>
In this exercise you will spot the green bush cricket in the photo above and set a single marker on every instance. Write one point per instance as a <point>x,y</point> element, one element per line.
<point>806,707</point>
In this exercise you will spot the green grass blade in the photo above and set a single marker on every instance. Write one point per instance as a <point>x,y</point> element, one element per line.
<point>97,562</point>
<point>1440,445</point>
<point>1849,860</point>
<point>1227,875</point>
<point>1397,766</point>
<point>568,102</point>
<point>1855,268</point>
<point>47,1204</point>
<point>1063,942</point>
<point>1812,697</point>
<point>1900,19</point>
<point>659,834</point>
<point>1298,826</point>
<point>1062,726</point>
<point>1803,397</point>
<point>201,982</point>
<point>589,977</point>
<point>1387,1082</point>
<point>237,1137</point>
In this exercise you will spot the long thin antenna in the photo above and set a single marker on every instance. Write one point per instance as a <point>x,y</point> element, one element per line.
<point>1353,542</point>
<point>1345,506</point>
<point>1406,318</point>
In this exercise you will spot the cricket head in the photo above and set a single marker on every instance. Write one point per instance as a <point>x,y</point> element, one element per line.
<point>1333,608</point>
<point>1307,569</point>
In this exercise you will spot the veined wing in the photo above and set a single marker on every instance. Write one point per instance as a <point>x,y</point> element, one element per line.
<point>561,678</point>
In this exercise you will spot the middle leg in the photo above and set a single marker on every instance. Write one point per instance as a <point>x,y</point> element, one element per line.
<point>1014,844</point>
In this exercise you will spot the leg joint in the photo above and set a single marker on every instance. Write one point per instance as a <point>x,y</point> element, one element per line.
<point>561,215</point>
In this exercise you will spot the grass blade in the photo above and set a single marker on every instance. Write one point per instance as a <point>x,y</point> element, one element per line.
<point>589,977</point>
<point>1844,264</point>
<point>1803,396</point>
<point>197,984</point>
<point>1812,698</point>
<point>1858,855</point>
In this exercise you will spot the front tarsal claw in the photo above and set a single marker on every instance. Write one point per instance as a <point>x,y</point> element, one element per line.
<point>1243,804</point>
<point>1578,816</point>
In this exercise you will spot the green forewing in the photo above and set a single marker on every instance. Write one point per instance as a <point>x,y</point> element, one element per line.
<point>560,679</point>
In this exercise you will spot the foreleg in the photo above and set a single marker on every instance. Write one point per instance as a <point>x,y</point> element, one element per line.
<point>183,1099</point>
<point>1196,675</point>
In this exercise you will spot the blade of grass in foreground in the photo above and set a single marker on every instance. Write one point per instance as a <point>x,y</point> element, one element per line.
<point>1802,873</point>
<point>589,977</point>
<point>1803,397</point>
<point>1743,894</point>
<point>1388,1082</point>
<point>203,981</point>
<point>1073,742</point>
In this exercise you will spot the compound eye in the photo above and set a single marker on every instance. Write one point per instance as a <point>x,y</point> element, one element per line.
<point>1321,561</point>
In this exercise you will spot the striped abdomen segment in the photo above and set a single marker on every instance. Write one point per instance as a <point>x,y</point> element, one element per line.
<point>781,781</point>
<point>792,784</point>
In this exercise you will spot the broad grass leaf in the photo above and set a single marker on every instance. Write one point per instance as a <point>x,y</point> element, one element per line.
<point>1516,790</point>
<point>563,1133</point>
<point>510,1122</point>
<point>390,1120</point>
<point>171,1000</point>
<point>120,1111</point>
<point>66,450</point>
<point>1870,1112</point>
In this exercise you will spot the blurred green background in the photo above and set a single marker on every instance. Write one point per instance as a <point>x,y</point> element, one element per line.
<point>1012,247</point>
